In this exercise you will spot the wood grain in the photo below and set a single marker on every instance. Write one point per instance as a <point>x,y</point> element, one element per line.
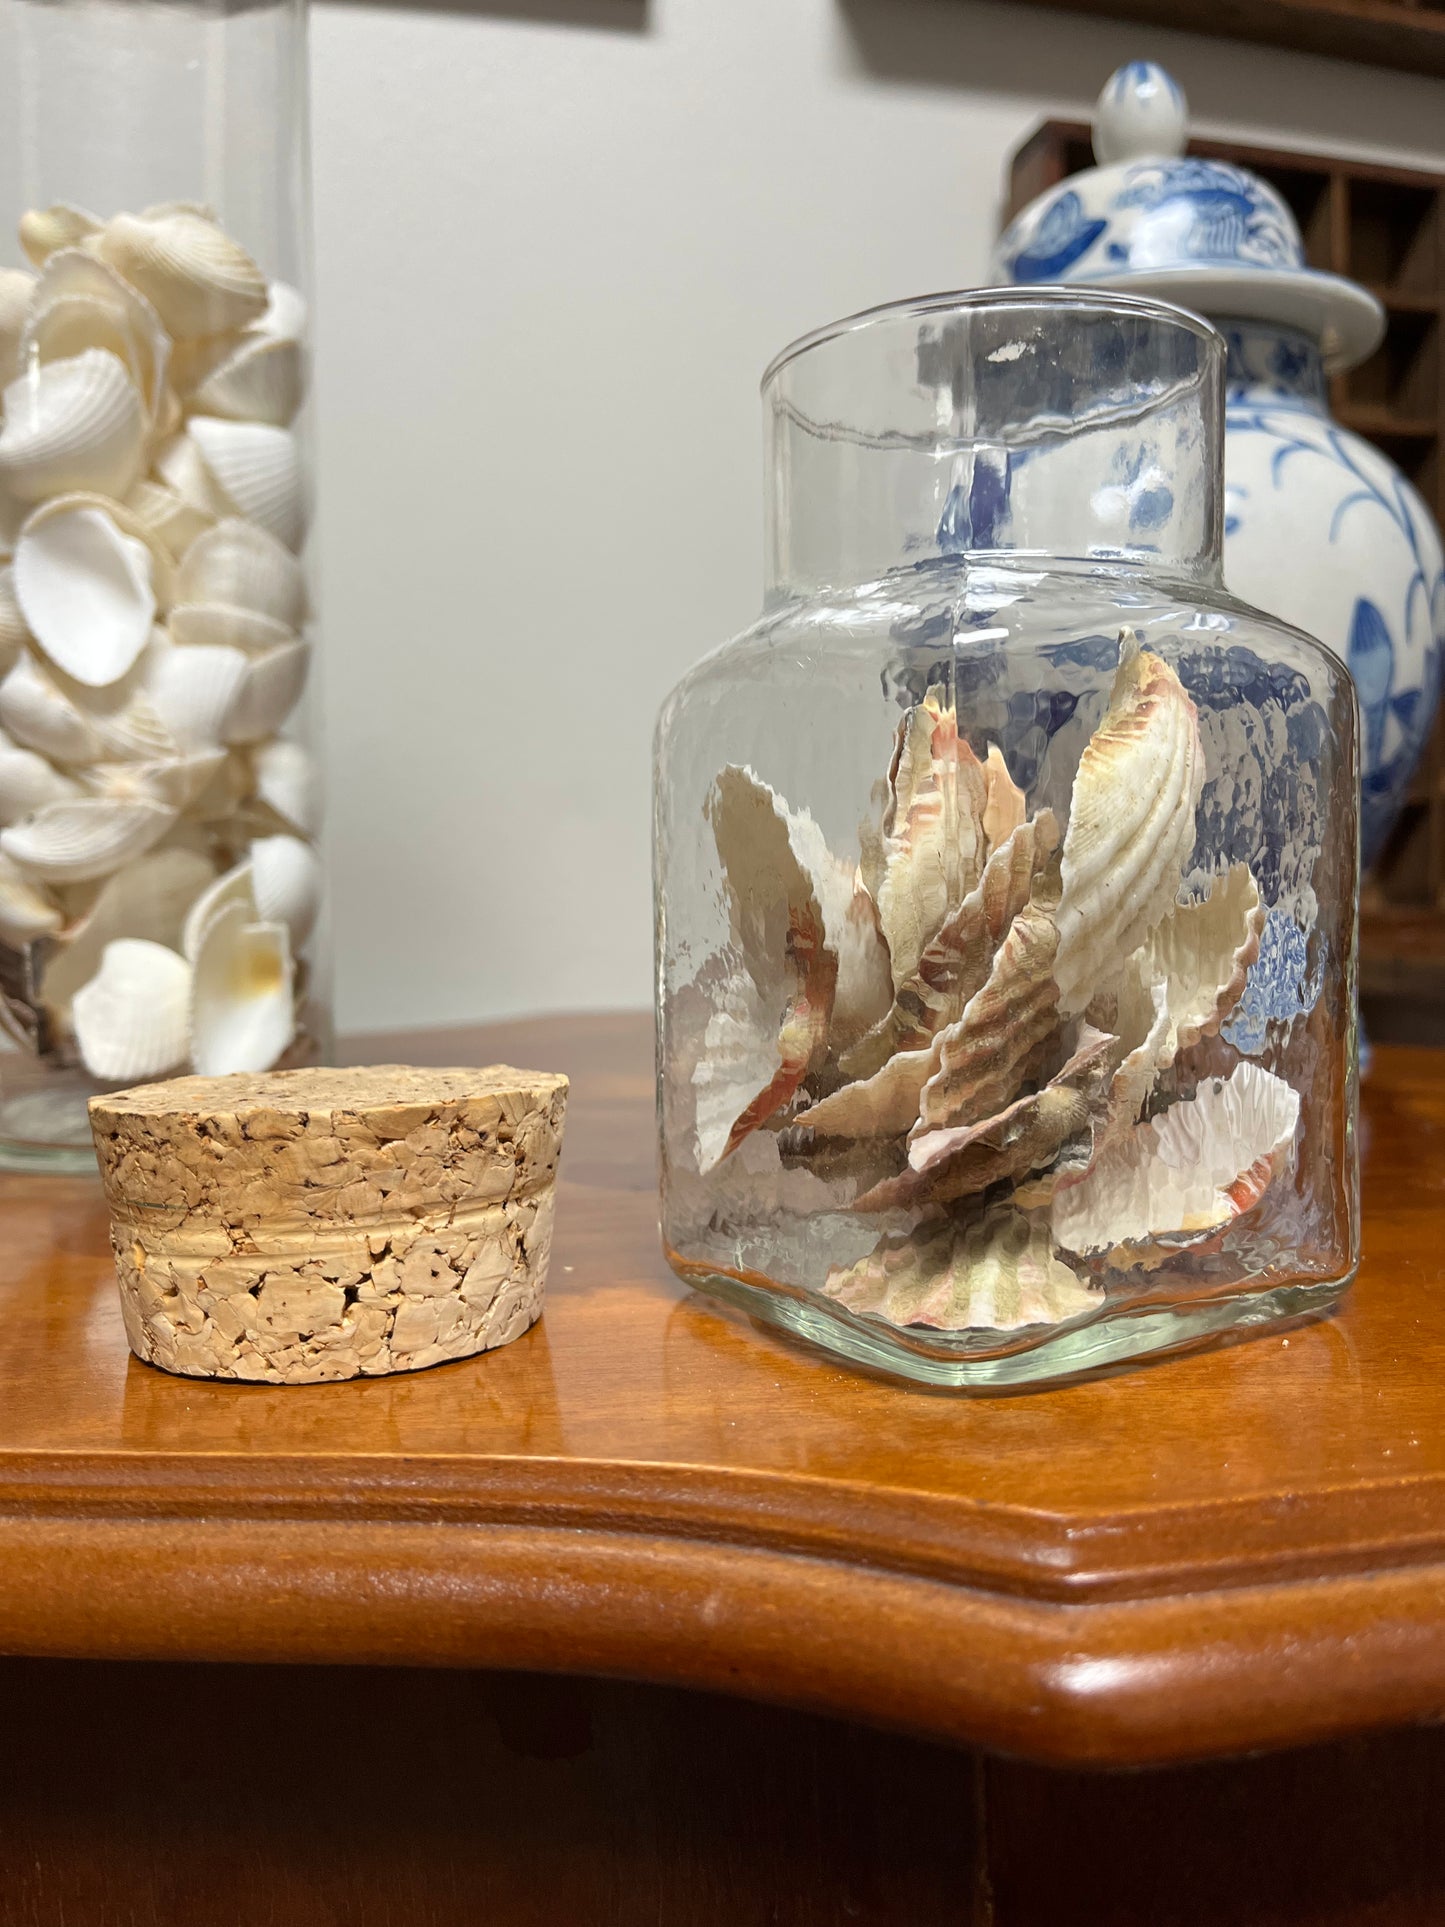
<point>1231,1549</point>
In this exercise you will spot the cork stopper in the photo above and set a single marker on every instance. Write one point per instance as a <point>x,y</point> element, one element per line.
<point>322,1224</point>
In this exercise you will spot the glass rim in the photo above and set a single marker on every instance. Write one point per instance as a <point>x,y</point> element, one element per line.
<point>1073,296</point>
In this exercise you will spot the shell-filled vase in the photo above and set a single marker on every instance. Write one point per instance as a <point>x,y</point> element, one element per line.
<point>160,887</point>
<point>1006,869</point>
<point>1320,527</point>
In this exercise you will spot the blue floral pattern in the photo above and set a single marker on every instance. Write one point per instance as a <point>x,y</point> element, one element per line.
<point>1062,237</point>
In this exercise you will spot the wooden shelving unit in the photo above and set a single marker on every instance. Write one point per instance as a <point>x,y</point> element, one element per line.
<point>1385,227</point>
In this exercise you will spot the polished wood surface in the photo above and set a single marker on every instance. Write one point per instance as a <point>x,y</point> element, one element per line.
<point>1236,1548</point>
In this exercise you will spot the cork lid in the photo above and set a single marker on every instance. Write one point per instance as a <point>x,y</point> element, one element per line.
<point>357,1089</point>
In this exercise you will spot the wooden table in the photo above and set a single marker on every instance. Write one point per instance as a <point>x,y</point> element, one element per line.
<point>1231,1550</point>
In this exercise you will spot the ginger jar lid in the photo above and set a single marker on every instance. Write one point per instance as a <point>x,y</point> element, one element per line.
<point>1150,219</point>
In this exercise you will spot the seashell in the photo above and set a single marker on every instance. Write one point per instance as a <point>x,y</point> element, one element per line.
<point>883,1105</point>
<point>1131,822</point>
<point>1003,809</point>
<point>167,518</point>
<point>257,471</point>
<point>132,1020</point>
<point>192,623</point>
<point>174,781</point>
<point>1179,986</point>
<point>178,463</point>
<point>229,788</point>
<point>16,288</point>
<point>13,633</point>
<point>86,837</point>
<point>233,886</point>
<point>260,381</point>
<point>771,1017</point>
<point>45,230</point>
<point>242,1008</point>
<point>285,316</point>
<point>286,783</point>
<point>243,567</point>
<point>148,898</point>
<point>978,1064</point>
<point>269,692</point>
<point>39,714</point>
<point>194,691</point>
<point>79,303</point>
<point>934,846</point>
<point>74,424</point>
<point>964,1160</point>
<point>999,1274</point>
<point>956,961</point>
<point>28,782</point>
<point>1185,1174</point>
<point>198,280</point>
<point>86,588</point>
<point>27,909</point>
<point>286,884</point>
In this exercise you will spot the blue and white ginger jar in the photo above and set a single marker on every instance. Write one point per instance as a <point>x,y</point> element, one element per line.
<point>1321,529</point>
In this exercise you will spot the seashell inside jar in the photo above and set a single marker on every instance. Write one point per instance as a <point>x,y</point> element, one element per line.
<point>160,892</point>
<point>1006,873</point>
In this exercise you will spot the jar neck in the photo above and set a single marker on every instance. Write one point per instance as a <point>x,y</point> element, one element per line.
<point>1033,425</point>
<point>1267,365</point>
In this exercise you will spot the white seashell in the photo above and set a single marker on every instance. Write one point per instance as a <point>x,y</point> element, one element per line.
<point>257,470</point>
<point>27,909</point>
<point>286,884</point>
<point>16,288</point>
<point>199,281</point>
<point>86,591</point>
<point>75,424</point>
<point>193,623</point>
<point>194,691</point>
<point>285,315</point>
<point>82,303</point>
<point>242,1007</point>
<point>148,898</point>
<point>28,782</point>
<point>43,230</point>
<point>1185,1174</point>
<point>271,690</point>
<point>233,886</point>
<point>123,717</point>
<point>286,783</point>
<point>261,381</point>
<point>13,633</point>
<point>88,837</point>
<point>179,464</point>
<point>174,781</point>
<point>1000,1274</point>
<point>132,1020</point>
<point>1131,822</point>
<point>230,787</point>
<point>39,714</point>
<point>166,516</point>
<point>240,565</point>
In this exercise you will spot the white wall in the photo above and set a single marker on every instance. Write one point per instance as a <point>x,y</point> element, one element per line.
<point>556,245</point>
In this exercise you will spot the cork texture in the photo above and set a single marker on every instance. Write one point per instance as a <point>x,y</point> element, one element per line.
<point>326,1224</point>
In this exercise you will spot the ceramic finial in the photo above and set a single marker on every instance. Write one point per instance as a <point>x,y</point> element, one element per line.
<point>1141,114</point>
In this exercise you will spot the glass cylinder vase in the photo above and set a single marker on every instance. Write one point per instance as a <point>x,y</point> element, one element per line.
<point>159,883</point>
<point>1006,869</point>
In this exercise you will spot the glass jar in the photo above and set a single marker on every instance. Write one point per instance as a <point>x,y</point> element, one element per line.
<point>159,883</point>
<point>1006,870</point>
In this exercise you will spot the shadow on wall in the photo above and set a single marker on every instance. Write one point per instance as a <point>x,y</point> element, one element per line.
<point>1041,54</point>
<point>605,16</point>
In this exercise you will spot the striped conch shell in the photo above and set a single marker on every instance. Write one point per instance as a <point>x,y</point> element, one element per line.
<point>1131,823</point>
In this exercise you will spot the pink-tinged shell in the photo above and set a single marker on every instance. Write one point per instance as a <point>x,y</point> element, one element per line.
<point>1184,1175</point>
<point>1003,809</point>
<point>1179,986</point>
<point>883,1105</point>
<point>999,1274</point>
<point>980,1062</point>
<point>851,930</point>
<point>956,962</point>
<point>772,1018</point>
<point>1131,823</point>
<point>934,847</point>
<point>1029,1134</point>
